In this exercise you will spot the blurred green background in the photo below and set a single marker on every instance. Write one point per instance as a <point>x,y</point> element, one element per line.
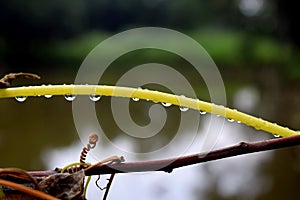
<point>253,42</point>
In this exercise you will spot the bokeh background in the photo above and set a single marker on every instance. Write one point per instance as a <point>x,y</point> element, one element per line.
<point>255,44</point>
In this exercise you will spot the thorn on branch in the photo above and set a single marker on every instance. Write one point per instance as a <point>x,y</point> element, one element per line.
<point>244,145</point>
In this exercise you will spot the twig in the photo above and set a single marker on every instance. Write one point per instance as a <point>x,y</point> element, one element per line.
<point>18,174</point>
<point>43,173</point>
<point>108,161</point>
<point>26,190</point>
<point>108,186</point>
<point>168,165</point>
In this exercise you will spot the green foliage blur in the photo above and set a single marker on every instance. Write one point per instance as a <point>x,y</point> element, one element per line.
<point>46,34</point>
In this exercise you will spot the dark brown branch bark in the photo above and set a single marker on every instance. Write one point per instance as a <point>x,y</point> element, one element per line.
<point>168,165</point>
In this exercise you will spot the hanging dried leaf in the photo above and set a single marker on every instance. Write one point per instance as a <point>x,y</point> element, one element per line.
<point>64,185</point>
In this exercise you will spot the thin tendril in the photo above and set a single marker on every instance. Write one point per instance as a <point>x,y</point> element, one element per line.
<point>74,164</point>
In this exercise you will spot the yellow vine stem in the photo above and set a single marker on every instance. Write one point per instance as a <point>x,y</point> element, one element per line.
<point>154,96</point>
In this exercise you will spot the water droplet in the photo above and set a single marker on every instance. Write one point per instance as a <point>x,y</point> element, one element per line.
<point>135,99</point>
<point>230,120</point>
<point>47,96</point>
<point>183,109</point>
<point>218,115</point>
<point>95,97</point>
<point>238,122</point>
<point>166,104</point>
<point>202,112</point>
<point>70,97</point>
<point>21,98</point>
<point>277,136</point>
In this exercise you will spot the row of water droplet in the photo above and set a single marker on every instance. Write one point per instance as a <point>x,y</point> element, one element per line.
<point>184,109</point>
<point>96,97</point>
<point>165,104</point>
<point>68,97</point>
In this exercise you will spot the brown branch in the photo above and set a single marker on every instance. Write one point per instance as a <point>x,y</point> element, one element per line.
<point>168,165</point>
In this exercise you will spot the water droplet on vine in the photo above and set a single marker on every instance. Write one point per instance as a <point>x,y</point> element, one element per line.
<point>135,99</point>
<point>202,112</point>
<point>183,109</point>
<point>277,136</point>
<point>230,120</point>
<point>95,97</point>
<point>20,98</point>
<point>70,97</point>
<point>166,104</point>
<point>47,96</point>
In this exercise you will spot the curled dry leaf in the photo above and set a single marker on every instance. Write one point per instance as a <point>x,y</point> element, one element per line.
<point>6,81</point>
<point>64,185</point>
